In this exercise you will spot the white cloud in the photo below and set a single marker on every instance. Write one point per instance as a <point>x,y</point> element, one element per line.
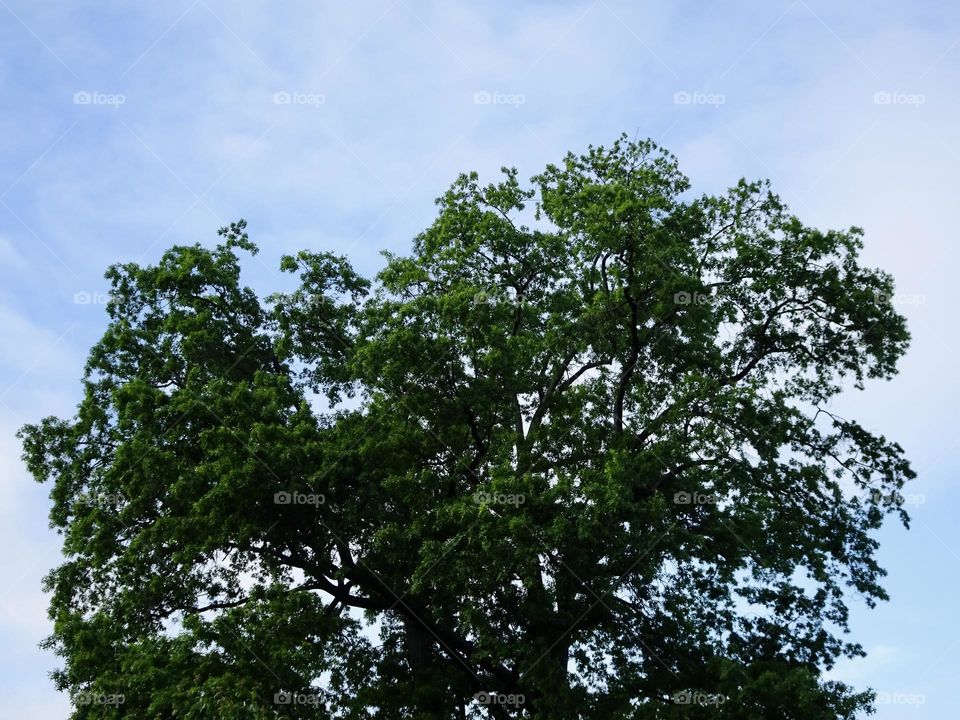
<point>10,258</point>
<point>32,350</point>
<point>861,671</point>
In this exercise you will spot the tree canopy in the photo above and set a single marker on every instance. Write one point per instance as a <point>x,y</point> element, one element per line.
<point>572,457</point>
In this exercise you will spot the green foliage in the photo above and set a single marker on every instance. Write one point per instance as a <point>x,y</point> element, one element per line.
<point>585,465</point>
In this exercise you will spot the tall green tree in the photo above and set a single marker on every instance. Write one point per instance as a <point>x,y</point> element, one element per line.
<point>573,457</point>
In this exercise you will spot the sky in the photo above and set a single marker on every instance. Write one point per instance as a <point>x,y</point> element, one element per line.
<point>126,128</point>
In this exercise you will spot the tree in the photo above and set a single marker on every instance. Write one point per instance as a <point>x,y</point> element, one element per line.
<point>583,467</point>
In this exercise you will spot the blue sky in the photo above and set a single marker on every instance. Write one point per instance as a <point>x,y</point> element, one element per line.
<point>128,127</point>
